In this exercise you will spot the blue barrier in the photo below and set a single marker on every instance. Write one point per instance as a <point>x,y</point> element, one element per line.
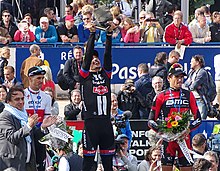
<point>125,58</point>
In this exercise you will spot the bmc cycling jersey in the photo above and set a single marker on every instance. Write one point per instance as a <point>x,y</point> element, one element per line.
<point>170,101</point>
<point>37,102</point>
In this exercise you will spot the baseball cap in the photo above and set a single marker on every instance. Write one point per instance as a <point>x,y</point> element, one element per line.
<point>121,137</point>
<point>36,70</point>
<point>176,69</point>
<point>44,19</point>
<point>69,18</point>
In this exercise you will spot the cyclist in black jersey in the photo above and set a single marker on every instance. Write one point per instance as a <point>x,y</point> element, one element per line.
<point>96,95</point>
<point>174,99</point>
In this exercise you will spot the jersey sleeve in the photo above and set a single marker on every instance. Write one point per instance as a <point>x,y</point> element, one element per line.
<point>84,72</point>
<point>48,106</point>
<point>108,55</point>
<point>155,110</point>
<point>195,111</point>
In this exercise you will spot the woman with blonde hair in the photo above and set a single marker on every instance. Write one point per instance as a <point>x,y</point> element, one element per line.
<point>115,11</point>
<point>48,78</point>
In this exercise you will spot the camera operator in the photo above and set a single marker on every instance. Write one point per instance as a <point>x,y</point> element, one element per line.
<point>123,160</point>
<point>120,119</point>
<point>150,29</point>
<point>130,99</point>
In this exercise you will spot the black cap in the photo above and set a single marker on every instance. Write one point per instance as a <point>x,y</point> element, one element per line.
<point>36,70</point>
<point>176,69</point>
<point>121,137</point>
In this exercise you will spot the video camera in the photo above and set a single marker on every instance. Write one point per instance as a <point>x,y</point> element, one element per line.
<point>214,143</point>
<point>120,121</point>
<point>214,112</point>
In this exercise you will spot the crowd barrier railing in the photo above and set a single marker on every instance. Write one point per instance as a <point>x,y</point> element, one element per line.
<point>60,44</point>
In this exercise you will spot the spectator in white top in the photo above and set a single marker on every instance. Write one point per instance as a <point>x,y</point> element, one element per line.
<point>200,30</point>
<point>217,76</point>
<point>198,12</point>
<point>124,7</point>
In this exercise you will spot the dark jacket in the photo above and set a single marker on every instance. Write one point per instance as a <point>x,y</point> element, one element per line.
<point>215,32</point>
<point>11,30</point>
<point>200,83</point>
<point>150,98</point>
<point>144,86</point>
<point>131,101</point>
<point>13,149</point>
<point>161,71</point>
<point>71,72</point>
<point>75,161</point>
<point>3,63</point>
<point>167,19</point>
<point>71,111</point>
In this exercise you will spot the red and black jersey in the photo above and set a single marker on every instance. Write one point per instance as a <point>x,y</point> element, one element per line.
<point>95,86</point>
<point>172,100</point>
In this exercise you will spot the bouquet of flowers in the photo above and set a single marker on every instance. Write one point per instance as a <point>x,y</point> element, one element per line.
<point>174,126</point>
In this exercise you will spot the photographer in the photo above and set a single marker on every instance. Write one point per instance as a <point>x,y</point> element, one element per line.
<point>123,160</point>
<point>130,99</point>
<point>120,119</point>
<point>150,29</point>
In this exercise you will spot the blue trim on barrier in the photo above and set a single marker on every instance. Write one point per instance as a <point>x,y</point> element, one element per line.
<point>60,44</point>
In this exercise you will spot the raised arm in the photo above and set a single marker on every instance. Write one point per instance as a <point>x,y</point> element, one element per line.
<point>108,52</point>
<point>89,52</point>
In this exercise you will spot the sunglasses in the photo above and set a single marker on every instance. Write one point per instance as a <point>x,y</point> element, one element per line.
<point>6,15</point>
<point>142,18</point>
<point>86,18</point>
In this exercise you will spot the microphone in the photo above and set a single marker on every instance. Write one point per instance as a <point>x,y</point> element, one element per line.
<point>126,115</point>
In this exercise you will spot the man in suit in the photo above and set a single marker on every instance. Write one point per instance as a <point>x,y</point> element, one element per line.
<point>9,75</point>
<point>16,132</point>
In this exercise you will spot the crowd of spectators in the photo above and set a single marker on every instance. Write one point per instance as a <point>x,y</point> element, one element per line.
<point>163,23</point>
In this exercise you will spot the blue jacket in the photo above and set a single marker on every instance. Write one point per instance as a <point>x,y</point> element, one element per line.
<point>102,38</point>
<point>144,85</point>
<point>50,34</point>
<point>127,130</point>
<point>84,33</point>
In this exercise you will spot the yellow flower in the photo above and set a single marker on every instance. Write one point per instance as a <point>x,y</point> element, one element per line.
<point>174,123</point>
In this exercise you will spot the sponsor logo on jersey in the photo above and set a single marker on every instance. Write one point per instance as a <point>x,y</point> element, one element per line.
<point>100,90</point>
<point>172,102</point>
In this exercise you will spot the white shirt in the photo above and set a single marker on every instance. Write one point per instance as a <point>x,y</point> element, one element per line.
<point>217,68</point>
<point>63,164</point>
<point>37,102</point>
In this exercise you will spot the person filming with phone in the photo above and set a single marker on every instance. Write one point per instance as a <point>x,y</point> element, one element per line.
<point>150,28</point>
